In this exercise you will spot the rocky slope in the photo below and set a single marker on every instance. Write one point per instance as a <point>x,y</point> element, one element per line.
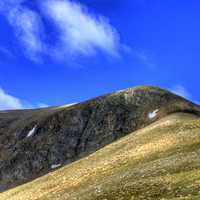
<point>158,162</point>
<point>34,142</point>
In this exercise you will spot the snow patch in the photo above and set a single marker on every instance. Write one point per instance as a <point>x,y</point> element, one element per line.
<point>31,132</point>
<point>67,105</point>
<point>153,114</point>
<point>55,166</point>
<point>119,91</point>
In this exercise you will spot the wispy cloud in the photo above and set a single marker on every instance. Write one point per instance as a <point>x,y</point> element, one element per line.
<point>8,101</point>
<point>79,32</point>
<point>27,26</point>
<point>181,91</point>
<point>146,58</point>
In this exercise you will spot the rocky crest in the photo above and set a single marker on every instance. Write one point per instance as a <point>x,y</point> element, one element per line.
<point>34,142</point>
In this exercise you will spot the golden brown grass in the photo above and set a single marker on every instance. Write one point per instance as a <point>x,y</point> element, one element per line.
<point>161,161</point>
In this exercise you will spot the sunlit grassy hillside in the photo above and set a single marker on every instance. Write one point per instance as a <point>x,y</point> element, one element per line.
<point>160,161</point>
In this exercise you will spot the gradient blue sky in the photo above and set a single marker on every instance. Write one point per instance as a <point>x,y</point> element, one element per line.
<point>63,51</point>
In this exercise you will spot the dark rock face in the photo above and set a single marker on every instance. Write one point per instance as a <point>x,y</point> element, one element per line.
<point>62,135</point>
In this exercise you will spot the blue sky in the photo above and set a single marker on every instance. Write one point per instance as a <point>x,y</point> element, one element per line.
<point>61,51</point>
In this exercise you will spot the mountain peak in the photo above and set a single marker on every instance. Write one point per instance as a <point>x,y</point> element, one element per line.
<point>32,141</point>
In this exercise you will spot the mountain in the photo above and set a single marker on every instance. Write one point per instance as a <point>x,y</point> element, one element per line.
<point>160,161</point>
<point>139,143</point>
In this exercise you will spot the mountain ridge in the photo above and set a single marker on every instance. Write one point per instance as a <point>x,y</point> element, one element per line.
<point>160,161</point>
<point>33,142</point>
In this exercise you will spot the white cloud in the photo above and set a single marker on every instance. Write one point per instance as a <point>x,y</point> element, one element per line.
<point>181,91</point>
<point>28,28</point>
<point>9,102</point>
<point>79,31</point>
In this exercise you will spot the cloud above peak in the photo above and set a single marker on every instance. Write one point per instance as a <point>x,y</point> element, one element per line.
<point>80,31</point>
<point>73,29</point>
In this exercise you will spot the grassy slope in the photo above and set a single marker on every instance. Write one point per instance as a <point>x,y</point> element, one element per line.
<point>161,161</point>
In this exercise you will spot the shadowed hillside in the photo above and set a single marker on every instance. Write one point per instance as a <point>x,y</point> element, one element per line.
<point>34,142</point>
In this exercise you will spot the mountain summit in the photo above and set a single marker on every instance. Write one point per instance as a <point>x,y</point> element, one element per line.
<point>35,142</point>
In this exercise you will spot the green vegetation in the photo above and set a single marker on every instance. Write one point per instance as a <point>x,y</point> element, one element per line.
<point>160,161</point>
